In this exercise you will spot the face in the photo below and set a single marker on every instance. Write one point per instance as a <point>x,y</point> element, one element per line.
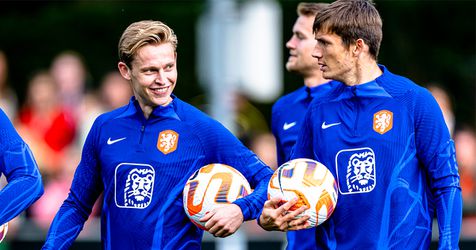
<point>153,75</point>
<point>334,58</point>
<point>301,46</point>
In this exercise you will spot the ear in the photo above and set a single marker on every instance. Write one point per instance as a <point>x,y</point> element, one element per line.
<point>359,47</point>
<point>124,70</point>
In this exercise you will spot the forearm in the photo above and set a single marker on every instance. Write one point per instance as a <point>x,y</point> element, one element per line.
<point>252,204</point>
<point>66,226</point>
<point>18,195</point>
<point>449,214</point>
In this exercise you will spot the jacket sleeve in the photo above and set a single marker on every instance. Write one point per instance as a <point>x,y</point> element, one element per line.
<point>224,147</point>
<point>84,191</point>
<point>21,171</point>
<point>436,150</point>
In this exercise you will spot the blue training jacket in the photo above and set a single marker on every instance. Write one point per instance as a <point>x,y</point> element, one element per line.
<point>163,151</point>
<point>390,151</point>
<point>21,171</point>
<point>286,121</point>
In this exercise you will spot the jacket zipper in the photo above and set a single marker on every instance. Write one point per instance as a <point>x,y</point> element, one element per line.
<point>142,129</point>
<point>357,111</point>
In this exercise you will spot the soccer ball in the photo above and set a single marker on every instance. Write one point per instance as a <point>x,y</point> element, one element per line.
<point>311,182</point>
<point>212,186</point>
<point>3,231</point>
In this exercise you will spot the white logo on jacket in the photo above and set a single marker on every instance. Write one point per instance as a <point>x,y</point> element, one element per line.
<point>358,170</point>
<point>134,185</point>
<point>287,126</point>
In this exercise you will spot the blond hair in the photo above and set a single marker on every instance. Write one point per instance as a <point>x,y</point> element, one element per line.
<point>142,33</point>
<point>310,9</point>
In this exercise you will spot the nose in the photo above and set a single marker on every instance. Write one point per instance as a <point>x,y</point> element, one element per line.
<point>317,52</point>
<point>159,78</point>
<point>291,44</point>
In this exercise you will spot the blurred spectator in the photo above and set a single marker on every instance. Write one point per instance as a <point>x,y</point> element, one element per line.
<point>249,120</point>
<point>69,71</point>
<point>8,98</point>
<point>444,101</point>
<point>115,91</point>
<point>465,142</point>
<point>45,124</point>
<point>264,146</point>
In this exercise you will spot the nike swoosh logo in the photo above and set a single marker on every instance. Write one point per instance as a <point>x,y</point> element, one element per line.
<point>326,126</point>
<point>287,126</point>
<point>110,142</point>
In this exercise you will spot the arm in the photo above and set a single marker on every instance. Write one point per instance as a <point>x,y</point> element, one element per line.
<point>275,215</point>
<point>85,190</point>
<point>227,149</point>
<point>21,171</point>
<point>436,151</point>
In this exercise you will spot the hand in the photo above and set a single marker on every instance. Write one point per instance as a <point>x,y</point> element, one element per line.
<point>278,218</point>
<point>223,221</point>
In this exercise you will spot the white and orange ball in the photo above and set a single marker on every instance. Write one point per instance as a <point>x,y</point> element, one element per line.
<point>3,231</point>
<point>212,186</point>
<point>309,181</point>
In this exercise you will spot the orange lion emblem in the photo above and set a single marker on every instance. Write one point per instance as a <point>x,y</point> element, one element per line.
<point>383,121</point>
<point>167,141</point>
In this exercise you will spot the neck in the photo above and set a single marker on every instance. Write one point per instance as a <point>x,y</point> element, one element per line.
<point>363,73</point>
<point>314,80</point>
<point>146,110</point>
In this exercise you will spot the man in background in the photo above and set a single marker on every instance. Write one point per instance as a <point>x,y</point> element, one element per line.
<point>288,112</point>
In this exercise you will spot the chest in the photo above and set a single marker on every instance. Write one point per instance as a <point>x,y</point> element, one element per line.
<point>147,157</point>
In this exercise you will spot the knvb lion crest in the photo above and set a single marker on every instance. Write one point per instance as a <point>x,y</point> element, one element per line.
<point>383,121</point>
<point>167,142</point>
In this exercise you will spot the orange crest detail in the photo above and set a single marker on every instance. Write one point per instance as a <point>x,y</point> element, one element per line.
<point>383,121</point>
<point>167,141</point>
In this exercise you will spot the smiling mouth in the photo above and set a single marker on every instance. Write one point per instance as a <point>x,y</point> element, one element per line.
<point>160,90</point>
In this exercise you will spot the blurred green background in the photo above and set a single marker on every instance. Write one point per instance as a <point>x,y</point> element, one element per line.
<point>427,41</point>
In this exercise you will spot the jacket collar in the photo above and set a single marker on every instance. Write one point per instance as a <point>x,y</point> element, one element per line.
<point>159,112</point>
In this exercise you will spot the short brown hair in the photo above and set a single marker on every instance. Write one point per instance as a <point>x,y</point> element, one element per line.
<point>142,33</point>
<point>310,9</point>
<point>352,20</point>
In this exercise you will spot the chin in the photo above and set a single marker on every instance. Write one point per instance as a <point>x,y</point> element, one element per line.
<point>164,101</point>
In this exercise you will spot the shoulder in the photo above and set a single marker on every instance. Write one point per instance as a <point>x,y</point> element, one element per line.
<point>193,116</point>
<point>289,99</point>
<point>397,85</point>
<point>111,115</point>
<point>328,93</point>
<point>416,98</point>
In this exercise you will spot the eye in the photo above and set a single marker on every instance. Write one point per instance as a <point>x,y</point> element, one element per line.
<point>322,42</point>
<point>169,67</point>
<point>149,71</point>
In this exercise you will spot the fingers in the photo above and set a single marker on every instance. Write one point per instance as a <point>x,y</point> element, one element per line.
<point>273,202</point>
<point>207,216</point>
<point>223,221</point>
<point>293,214</point>
<point>274,217</point>
<point>298,224</point>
